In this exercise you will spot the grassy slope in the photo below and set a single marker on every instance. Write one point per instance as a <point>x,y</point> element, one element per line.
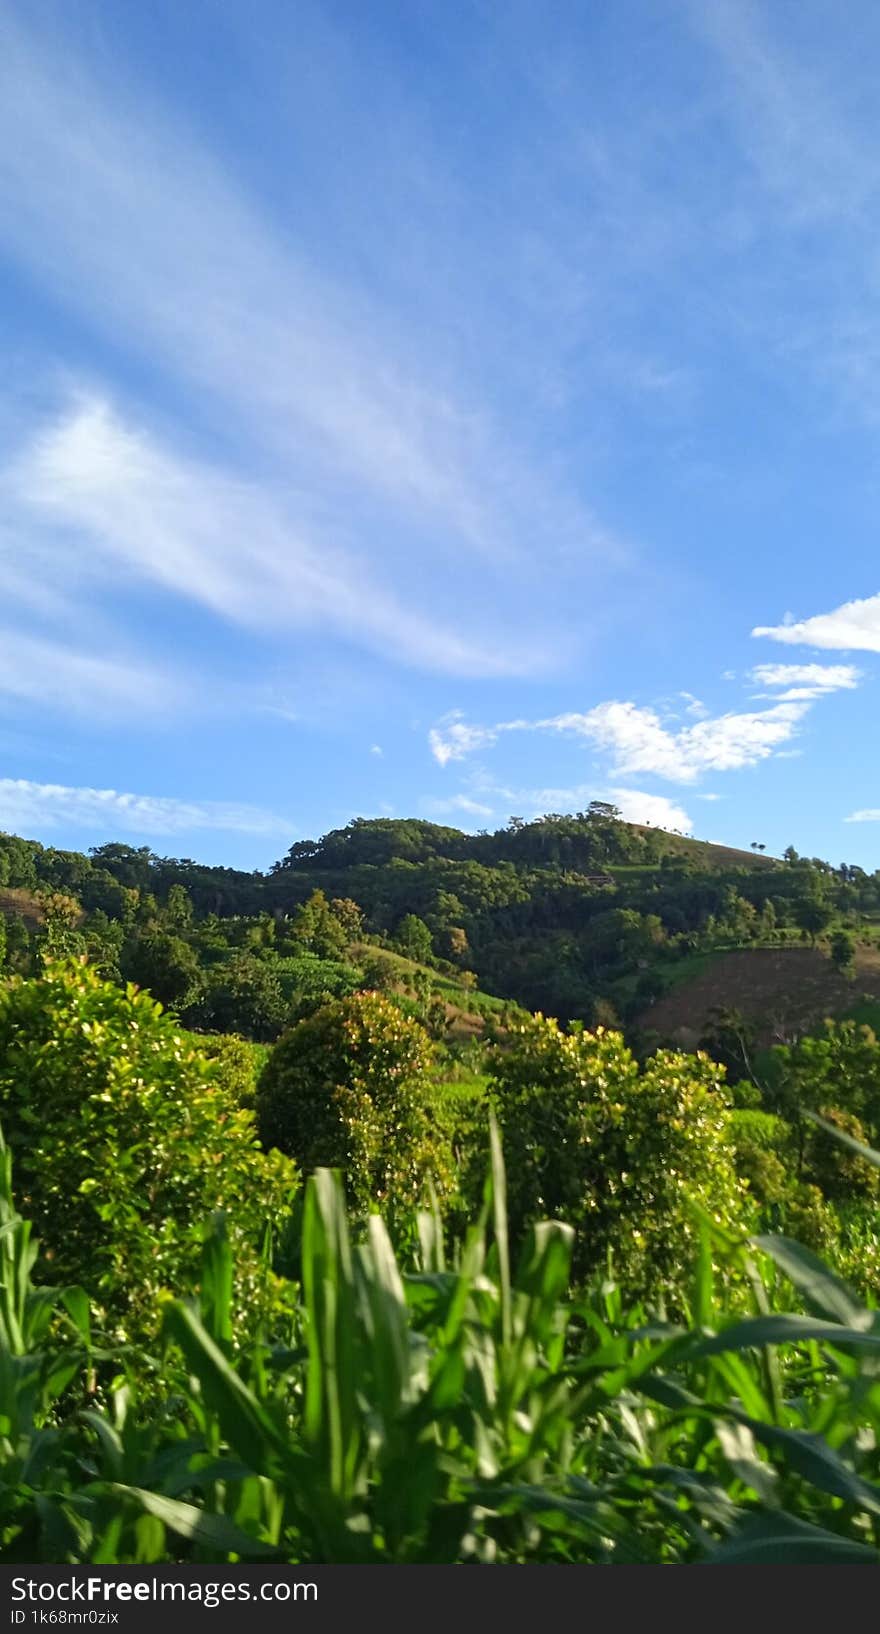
<point>467,1009</point>
<point>707,853</point>
<point>16,902</point>
<point>783,990</point>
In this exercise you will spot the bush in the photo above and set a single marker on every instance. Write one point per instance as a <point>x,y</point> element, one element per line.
<point>237,1063</point>
<point>621,1155</point>
<point>166,965</point>
<point>765,1153</point>
<point>308,982</point>
<point>841,1175</point>
<point>243,995</point>
<point>350,1088</point>
<point>125,1139</point>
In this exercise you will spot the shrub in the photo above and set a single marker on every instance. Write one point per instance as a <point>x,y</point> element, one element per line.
<point>840,1173</point>
<point>308,982</point>
<point>125,1139</point>
<point>765,1153</point>
<point>244,995</point>
<point>621,1155</point>
<point>350,1088</point>
<point>805,1215</point>
<point>237,1063</point>
<point>166,965</point>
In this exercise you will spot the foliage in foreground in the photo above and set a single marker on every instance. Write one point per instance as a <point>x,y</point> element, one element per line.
<point>126,1138</point>
<point>452,1414</point>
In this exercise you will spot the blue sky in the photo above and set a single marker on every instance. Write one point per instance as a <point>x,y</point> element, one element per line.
<point>455,410</point>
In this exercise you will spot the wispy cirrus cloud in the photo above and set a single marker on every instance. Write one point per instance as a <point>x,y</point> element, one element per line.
<point>351,468</point>
<point>141,513</point>
<point>61,677</point>
<point>804,127</point>
<point>637,740</point>
<point>27,807</point>
<point>456,803</point>
<point>798,137</point>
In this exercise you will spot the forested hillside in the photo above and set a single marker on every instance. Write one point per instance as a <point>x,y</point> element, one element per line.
<point>584,917</point>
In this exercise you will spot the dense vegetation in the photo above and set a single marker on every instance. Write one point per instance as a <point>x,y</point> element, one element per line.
<point>229,1352</point>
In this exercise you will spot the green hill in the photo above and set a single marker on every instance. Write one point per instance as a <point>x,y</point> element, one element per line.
<point>584,917</point>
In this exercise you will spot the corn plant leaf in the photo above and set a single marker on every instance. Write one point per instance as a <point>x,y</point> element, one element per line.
<point>827,1292</point>
<point>781,1540</point>
<point>783,1328</point>
<point>211,1531</point>
<point>245,1424</point>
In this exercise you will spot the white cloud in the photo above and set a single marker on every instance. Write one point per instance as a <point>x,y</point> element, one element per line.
<point>376,749</point>
<point>453,739</point>
<point>853,627</point>
<point>637,740</point>
<point>634,804</point>
<point>823,677</point>
<point>28,807</point>
<point>694,706</point>
<point>804,682</point>
<point>653,809</point>
<point>870,815</point>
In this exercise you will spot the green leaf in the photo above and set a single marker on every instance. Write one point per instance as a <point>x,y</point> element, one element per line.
<point>867,1152</point>
<point>385,1318</point>
<point>780,1540</point>
<point>211,1531</point>
<point>782,1328</point>
<point>216,1289</point>
<point>812,1457</point>
<point>499,1221</point>
<point>331,1415</point>
<point>829,1293</point>
<point>246,1426</point>
<point>737,1443</point>
<point>76,1304</point>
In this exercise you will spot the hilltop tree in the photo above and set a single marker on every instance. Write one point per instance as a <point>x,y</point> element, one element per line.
<point>178,909</point>
<point>164,964</point>
<point>350,916</point>
<point>243,995</point>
